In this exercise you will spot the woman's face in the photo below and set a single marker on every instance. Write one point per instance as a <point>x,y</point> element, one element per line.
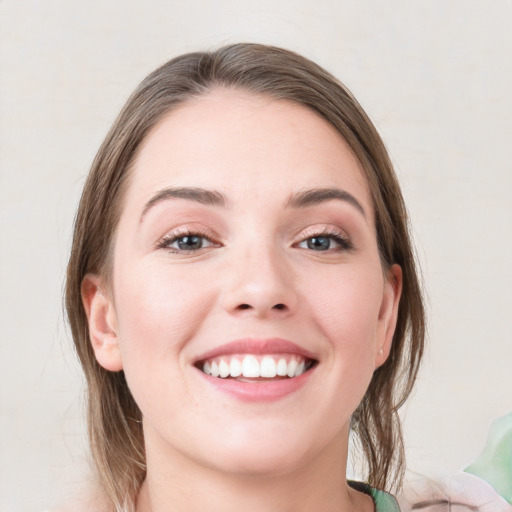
<point>246,244</point>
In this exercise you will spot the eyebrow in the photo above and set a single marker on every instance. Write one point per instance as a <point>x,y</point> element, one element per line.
<point>301,199</point>
<point>199,195</point>
<point>314,196</point>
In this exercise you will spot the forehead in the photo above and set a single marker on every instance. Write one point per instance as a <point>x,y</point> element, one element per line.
<point>245,143</point>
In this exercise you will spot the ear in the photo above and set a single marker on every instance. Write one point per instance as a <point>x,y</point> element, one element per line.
<point>102,320</point>
<point>388,313</point>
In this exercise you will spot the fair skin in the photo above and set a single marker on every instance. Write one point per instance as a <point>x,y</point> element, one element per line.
<point>225,238</point>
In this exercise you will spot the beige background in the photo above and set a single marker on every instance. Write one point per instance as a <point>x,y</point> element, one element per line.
<point>436,78</point>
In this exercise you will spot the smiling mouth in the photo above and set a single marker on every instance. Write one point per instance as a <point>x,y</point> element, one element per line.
<point>256,368</point>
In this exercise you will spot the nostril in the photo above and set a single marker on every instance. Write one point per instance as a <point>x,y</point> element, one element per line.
<point>279,307</point>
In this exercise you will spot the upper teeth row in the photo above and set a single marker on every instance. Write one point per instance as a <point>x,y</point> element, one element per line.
<point>250,366</point>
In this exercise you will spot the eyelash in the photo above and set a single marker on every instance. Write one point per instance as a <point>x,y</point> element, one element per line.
<point>332,234</point>
<point>343,243</point>
<point>175,236</point>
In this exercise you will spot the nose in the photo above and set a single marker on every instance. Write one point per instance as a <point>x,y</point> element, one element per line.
<point>260,283</point>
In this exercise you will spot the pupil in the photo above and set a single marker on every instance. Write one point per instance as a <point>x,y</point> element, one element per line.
<point>319,243</point>
<point>190,242</point>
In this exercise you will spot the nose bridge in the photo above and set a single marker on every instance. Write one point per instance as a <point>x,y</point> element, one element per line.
<point>261,280</point>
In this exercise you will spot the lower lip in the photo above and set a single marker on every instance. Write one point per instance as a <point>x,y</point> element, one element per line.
<point>259,391</point>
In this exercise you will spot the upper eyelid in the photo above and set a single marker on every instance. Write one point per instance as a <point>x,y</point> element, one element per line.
<point>189,230</point>
<point>322,231</point>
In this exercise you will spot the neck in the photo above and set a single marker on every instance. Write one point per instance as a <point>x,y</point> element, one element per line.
<point>179,484</point>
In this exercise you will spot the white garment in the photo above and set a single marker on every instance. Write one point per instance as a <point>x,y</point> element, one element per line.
<point>462,488</point>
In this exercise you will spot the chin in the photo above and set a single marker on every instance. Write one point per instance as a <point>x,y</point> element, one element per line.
<point>260,465</point>
<point>265,456</point>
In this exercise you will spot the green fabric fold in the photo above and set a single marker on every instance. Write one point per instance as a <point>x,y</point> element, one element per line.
<point>494,465</point>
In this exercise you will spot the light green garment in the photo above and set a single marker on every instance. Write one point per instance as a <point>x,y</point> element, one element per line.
<point>495,462</point>
<point>384,502</point>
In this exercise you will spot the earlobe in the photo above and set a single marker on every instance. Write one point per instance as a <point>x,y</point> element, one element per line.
<point>388,313</point>
<point>102,322</point>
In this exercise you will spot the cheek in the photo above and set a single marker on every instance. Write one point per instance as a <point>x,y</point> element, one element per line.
<point>158,310</point>
<point>346,306</point>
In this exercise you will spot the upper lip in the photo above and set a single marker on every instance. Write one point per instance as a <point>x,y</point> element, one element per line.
<point>257,346</point>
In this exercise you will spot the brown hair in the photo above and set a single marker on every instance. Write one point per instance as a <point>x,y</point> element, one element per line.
<point>114,419</point>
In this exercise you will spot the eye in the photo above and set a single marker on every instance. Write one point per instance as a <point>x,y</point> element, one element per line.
<point>326,242</point>
<point>189,243</point>
<point>317,243</point>
<point>185,242</point>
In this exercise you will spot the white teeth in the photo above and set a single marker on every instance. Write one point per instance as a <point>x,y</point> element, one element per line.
<point>215,369</point>
<point>235,368</point>
<point>292,366</point>
<point>282,367</point>
<point>250,367</point>
<point>268,367</point>
<point>223,369</point>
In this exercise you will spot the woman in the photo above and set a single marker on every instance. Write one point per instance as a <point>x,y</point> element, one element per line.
<point>242,292</point>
